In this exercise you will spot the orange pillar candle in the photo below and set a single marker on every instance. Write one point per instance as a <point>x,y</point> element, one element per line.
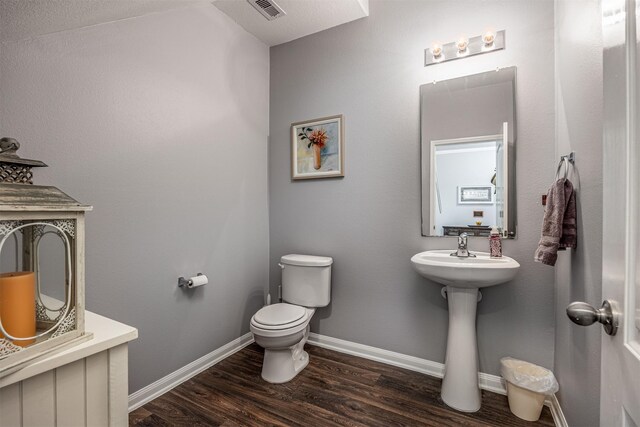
<point>18,305</point>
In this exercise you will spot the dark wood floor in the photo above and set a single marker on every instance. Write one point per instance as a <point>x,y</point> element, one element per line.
<point>334,390</point>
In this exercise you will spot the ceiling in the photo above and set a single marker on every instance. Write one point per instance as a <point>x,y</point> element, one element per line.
<point>21,19</point>
<point>303,17</point>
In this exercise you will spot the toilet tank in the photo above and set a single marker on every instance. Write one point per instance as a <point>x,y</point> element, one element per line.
<point>306,280</point>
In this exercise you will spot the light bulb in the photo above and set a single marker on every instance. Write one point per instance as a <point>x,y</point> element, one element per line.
<point>462,44</point>
<point>488,38</point>
<point>436,50</point>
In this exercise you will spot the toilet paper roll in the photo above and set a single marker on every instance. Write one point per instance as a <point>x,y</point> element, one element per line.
<point>196,281</point>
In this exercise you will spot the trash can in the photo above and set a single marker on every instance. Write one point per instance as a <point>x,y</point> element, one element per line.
<point>527,387</point>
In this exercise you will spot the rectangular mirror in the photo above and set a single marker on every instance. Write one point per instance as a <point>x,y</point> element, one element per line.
<point>468,133</point>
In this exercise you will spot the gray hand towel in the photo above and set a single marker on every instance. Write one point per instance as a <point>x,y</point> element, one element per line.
<point>569,238</point>
<point>559,223</point>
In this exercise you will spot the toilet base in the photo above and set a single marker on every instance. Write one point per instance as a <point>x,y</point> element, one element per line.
<point>282,365</point>
<point>279,366</point>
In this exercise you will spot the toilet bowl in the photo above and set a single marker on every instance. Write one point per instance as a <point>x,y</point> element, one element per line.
<point>282,330</point>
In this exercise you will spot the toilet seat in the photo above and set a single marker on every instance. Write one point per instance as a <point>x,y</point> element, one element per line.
<point>280,319</point>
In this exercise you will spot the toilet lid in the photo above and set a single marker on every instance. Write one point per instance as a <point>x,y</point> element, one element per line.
<point>279,314</point>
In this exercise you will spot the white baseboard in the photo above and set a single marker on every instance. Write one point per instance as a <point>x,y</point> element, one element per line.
<point>400,360</point>
<point>176,378</point>
<point>489,382</point>
<point>556,411</point>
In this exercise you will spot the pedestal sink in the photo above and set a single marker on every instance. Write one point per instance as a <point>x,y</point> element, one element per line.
<point>463,277</point>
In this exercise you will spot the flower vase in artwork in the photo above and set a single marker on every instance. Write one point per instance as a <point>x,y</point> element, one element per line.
<point>317,160</point>
<point>317,139</point>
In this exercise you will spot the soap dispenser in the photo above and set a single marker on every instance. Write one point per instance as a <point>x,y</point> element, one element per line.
<point>495,243</point>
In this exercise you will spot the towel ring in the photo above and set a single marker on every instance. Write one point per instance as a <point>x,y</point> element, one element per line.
<point>566,161</point>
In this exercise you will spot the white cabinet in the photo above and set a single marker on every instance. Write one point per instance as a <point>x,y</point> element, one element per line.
<point>85,385</point>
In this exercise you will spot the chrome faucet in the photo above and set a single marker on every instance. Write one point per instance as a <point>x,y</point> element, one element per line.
<point>462,251</point>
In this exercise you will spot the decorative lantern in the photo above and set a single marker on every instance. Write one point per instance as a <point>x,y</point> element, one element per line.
<point>41,265</point>
<point>12,167</point>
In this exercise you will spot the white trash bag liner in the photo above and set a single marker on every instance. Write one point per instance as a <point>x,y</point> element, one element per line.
<point>528,376</point>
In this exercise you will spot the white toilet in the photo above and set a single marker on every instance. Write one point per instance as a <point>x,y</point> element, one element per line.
<point>282,329</point>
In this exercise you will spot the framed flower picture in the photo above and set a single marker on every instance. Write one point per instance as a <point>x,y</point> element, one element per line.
<point>317,148</point>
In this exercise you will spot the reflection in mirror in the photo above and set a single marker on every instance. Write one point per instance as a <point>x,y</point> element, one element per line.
<point>468,134</point>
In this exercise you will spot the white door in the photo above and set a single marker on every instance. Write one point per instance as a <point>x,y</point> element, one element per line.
<point>620,394</point>
<point>502,174</point>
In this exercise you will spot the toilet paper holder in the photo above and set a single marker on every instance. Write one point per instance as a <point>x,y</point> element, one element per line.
<point>184,282</point>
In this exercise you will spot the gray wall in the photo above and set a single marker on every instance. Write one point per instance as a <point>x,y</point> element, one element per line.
<point>371,71</point>
<point>579,274</point>
<point>161,123</point>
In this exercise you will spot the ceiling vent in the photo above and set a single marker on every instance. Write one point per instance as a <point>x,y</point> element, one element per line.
<point>267,8</point>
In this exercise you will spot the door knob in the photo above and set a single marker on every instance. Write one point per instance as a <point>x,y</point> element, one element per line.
<point>584,314</point>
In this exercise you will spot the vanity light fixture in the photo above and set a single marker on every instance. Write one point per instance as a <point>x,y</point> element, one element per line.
<point>490,41</point>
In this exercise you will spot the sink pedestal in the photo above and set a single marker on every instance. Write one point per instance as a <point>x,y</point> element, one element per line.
<point>460,388</point>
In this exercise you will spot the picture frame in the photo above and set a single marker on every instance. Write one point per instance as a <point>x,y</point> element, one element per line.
<point>475,195</point>
<point>317,148</point>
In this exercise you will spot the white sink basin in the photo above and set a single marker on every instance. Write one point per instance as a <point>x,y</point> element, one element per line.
<point>463,278</point>
<point>478,272</point>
